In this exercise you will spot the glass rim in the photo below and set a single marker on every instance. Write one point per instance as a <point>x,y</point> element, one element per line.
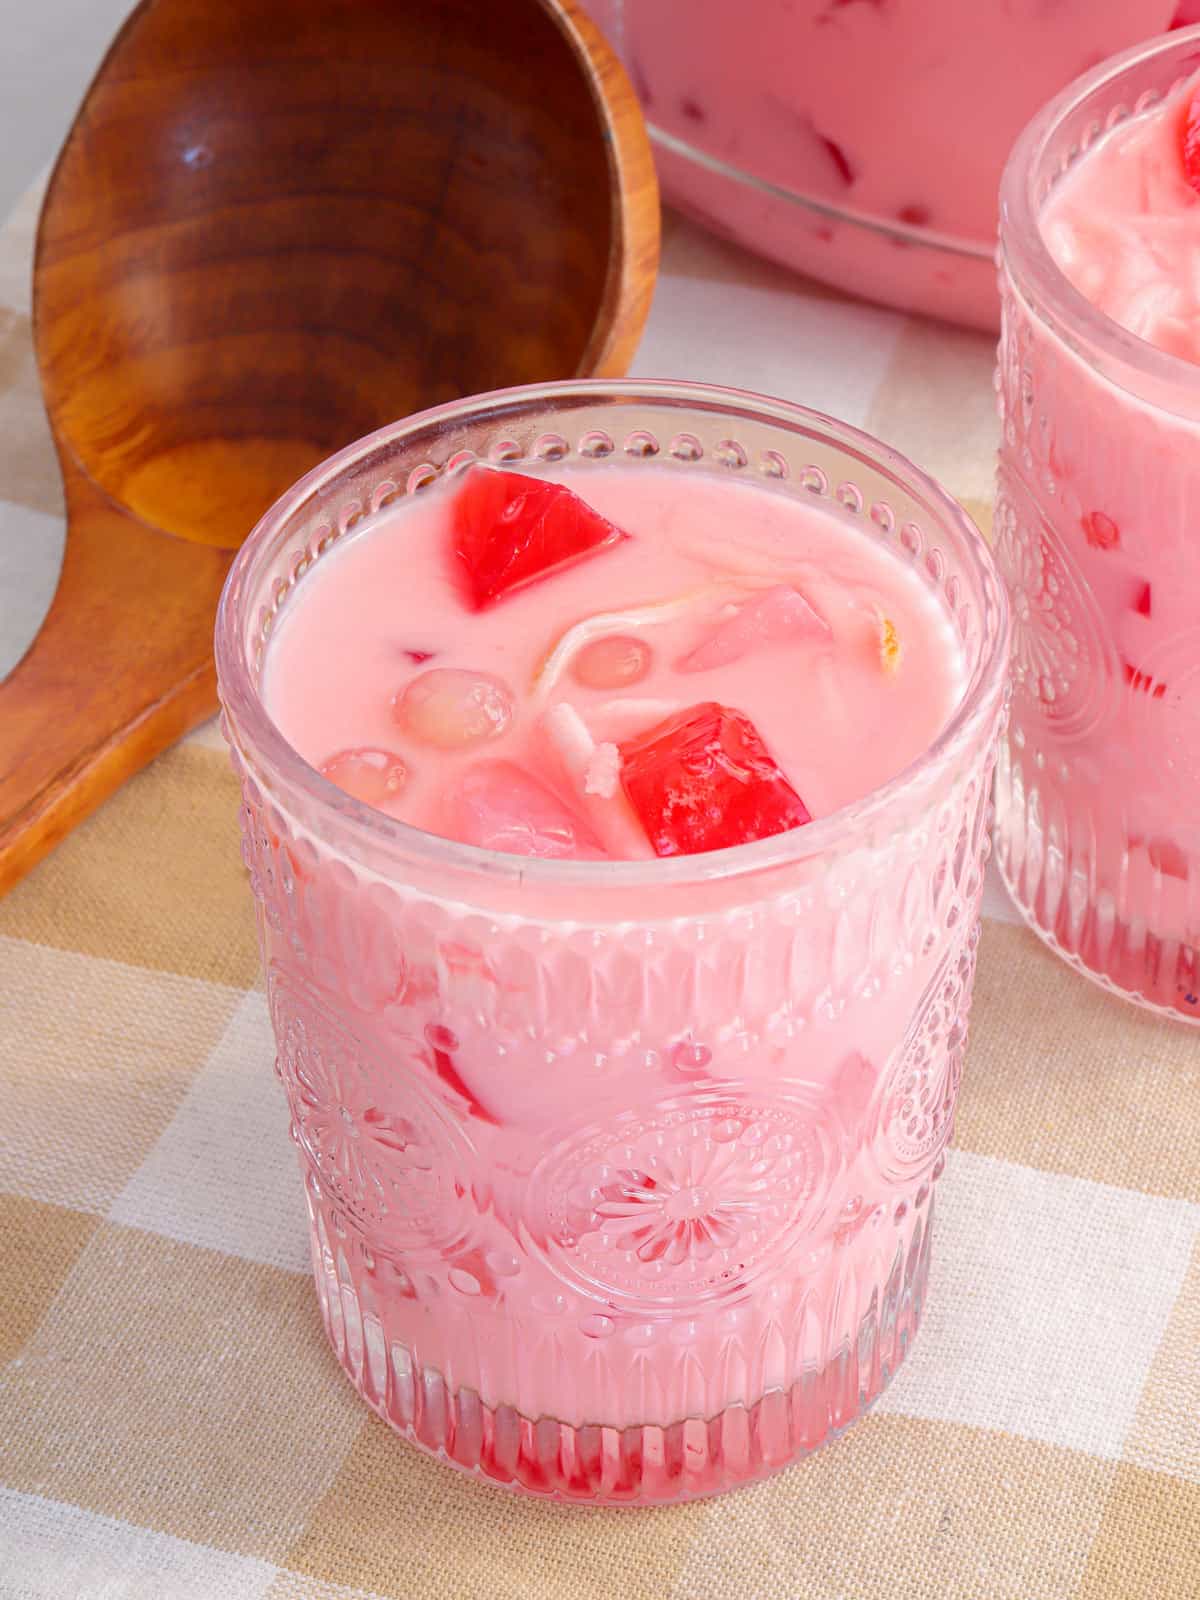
<point>1023,250</point>
<point>891,229</point>
<point>377,831</point>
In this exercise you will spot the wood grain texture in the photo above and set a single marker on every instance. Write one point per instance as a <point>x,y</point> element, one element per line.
<point>275,226</point>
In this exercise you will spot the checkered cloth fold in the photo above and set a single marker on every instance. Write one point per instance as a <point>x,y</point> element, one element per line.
<point>171,1424</point>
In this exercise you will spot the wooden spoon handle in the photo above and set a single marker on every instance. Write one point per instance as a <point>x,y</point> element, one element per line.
<point>121,668</point>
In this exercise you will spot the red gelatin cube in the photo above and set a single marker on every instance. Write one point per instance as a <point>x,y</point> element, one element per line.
<point>1168,858</point>
<point>471,1275</point>
<point>1142,682</point>
<point>703,779</point>
<point>447,1071</point>
<point>1141,600</point>
<point>917,216</point>
<point>509,529</point>
<point>840,159</point>
<point>1191,142</point>
<point>1100,531</point>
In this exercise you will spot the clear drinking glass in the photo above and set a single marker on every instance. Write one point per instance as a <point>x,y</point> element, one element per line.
<point>1098,501</point>
<point>691,1242</point>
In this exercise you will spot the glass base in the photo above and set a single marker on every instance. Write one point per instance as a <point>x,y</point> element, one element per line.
<point>913,268</point>
<point>643,1464</point>
<point>1049,879</point>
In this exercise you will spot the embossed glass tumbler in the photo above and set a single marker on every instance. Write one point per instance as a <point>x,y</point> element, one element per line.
<point>689,1241</point>
<point>1098,505</point>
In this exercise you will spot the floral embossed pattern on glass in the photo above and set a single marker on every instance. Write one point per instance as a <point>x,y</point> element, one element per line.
<point>1098,496</point>
<point>620,1175</point>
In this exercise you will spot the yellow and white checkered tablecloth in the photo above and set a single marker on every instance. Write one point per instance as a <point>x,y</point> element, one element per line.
<point>172,1426</point>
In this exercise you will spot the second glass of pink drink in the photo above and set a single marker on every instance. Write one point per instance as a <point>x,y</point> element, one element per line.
<point>619,1135</point>
<point>1098,798</point>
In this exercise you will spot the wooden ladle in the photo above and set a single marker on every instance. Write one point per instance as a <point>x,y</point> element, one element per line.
<point>274,226</point>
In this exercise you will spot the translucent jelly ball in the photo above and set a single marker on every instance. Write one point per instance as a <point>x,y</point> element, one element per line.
<point>450,707</point>
<point>376,777</point>
<point>613,662</point>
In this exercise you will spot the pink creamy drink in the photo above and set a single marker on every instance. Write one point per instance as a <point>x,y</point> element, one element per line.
<point>862,140</point>
<point>1098,505</point>
<point>619,1145</point>
<point>721,592</point>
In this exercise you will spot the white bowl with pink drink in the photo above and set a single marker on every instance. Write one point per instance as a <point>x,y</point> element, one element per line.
<point>616,763</point>
<point>861,141</point>
<point>1098,504</point>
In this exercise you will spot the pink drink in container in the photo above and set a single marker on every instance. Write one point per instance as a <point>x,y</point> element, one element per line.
<point>1098,815</point>
<point>619,1136</point>
<point>861,141</point>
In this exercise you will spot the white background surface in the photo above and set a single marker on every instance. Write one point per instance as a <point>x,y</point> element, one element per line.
<point>49,52</point>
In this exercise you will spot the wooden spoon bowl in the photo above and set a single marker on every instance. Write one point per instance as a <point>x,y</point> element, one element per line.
<point>274,226</point>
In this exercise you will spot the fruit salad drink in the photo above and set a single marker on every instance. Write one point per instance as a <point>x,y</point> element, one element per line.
<point>1098,501</point>
<point>862,140</point>
<point>615,766</point>
<point>523,698</point>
